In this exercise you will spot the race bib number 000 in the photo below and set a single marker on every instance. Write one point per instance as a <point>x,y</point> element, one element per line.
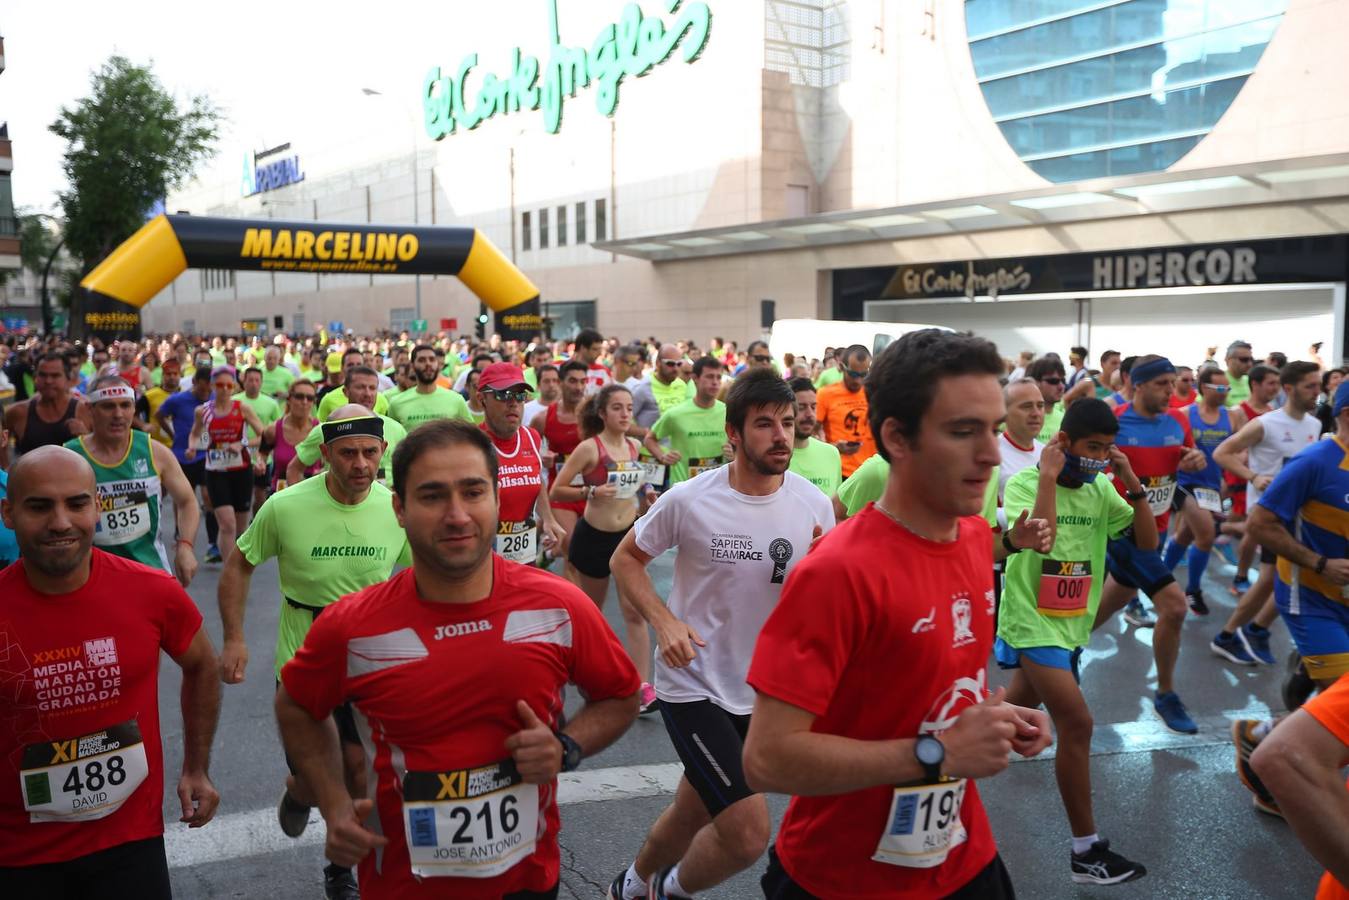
<point>518,541</point>
<point>1064,587</point>
<point>470,823</point>
<point>84,778</point>
<point>924,825</point>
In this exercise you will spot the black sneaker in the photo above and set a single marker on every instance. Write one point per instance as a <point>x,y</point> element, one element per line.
<point>1101,865</point>
<point>292,816</point>
<point>1297,684</point>
<point>1197,604</point>
<point>615,891</point>
<point>339,883</point>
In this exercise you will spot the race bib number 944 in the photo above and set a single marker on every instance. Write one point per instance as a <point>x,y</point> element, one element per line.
<point>83,778</point>
<point>469,823</point>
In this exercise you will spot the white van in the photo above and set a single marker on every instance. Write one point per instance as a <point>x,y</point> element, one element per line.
<point>807,338</point>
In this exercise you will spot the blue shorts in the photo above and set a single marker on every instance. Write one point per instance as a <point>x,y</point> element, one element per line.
<point>1141,570</point>
<point>1009,657</point>
<point>1319,628</point>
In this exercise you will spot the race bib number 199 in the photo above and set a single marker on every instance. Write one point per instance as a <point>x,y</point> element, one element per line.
<point>83,778</point>
<point>470,823</point>
<point>924,825</point>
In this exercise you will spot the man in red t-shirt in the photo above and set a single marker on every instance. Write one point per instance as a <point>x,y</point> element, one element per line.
<point>81,766</point>
<point>589,349</point>
<point>456,669</point>
<point>899,595</point>
<point>502,390</point>
<point>1301,763</point>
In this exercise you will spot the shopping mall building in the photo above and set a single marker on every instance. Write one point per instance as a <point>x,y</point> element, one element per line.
<point>1148,175</point>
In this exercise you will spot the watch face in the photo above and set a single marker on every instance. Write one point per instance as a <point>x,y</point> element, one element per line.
<point>929,751</point>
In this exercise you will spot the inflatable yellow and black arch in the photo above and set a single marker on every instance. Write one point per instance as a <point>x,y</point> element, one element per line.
<point>166,246</point>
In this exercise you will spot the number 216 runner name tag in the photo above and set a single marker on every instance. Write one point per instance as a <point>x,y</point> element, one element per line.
<point>469,823</point>
<point>83,778</point>
<point>924,825</point>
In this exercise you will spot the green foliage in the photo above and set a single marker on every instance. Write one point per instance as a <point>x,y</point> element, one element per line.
<point>36,241</point>
<point>128,144</point>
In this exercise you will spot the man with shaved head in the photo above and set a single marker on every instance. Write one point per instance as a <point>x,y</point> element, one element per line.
<point>663,391</point>
<point>81,765</point>
<point>332,535</point>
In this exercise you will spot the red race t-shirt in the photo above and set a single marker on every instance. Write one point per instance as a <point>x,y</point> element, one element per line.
<point>79,710</point>
<point>1154,446</point>
<point>435,687</point>
<point>881,635</point>
<point>519,473</point>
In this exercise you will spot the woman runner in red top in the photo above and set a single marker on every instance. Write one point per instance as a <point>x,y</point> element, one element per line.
<point>613,487</point>
<point>218,429</point>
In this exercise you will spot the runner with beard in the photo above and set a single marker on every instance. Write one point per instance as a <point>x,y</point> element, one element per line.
<point>813,459</point>
<point>614,490</point>
<point>456,669</point>
<point>427,401</point>
<point>900,594</point>
<point>739,530</point>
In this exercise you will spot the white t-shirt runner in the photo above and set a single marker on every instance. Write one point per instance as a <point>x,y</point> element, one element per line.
<point>735,551</point>
<point>1014,459</point>
<point>1284,437</point>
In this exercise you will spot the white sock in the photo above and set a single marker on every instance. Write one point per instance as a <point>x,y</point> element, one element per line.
<point>672,886</point>
<point>1083,844</point>
<point>633,886</point>
<point>1259,731</point>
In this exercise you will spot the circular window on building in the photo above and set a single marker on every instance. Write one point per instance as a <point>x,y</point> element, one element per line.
<point>1087,88</point>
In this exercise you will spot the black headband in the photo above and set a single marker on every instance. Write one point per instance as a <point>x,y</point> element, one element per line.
<point>361,426</point>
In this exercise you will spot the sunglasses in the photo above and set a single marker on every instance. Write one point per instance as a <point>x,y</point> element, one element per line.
<point>509,396</point>
<point>1220,388</point>
<point>672,363</point>
<point>1052,380</point>
<point>760,358</point>
<point>307,398</point>
<point>1244,359</point>
<point>855,374</point>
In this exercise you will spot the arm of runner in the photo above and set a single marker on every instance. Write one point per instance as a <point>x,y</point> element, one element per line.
<point>537,751</point>
<point>194,438</point>
<point>783,755</point>
<point>653,446</point>
<point>164,422</point>
<point>186,515</point>
<point>1085,387</point>
<point>251,417</point>
<point>312,744</point>
<point>1192,460</point>
<point>1300,763</point>
<point>675,639</point>
<point>562,489</point>
<point>1145,525</point>
<point>232,595</point>
<point>1230,453</point>
<point>1052,461</point>
<point>83,423</point>
<point>840,511</point>
<point>1269,532</point>
<point>553,532</point>
<point>200,702</point>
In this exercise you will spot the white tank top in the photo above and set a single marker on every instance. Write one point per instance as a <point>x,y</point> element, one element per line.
<point>1284,438</point>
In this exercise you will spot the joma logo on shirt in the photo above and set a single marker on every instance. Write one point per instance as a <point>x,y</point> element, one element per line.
<point>321,551</point>
<point>462,628</point>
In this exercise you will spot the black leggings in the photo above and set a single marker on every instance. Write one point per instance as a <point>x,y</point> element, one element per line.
<point>136,870</point>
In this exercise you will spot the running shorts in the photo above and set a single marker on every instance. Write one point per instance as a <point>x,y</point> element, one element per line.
<point>1010,657</point>
<point>136,870</point>
<point>1319,628</point>
<point>1268,557</point>
<point>591,549</point>
<point>710,742</point>
<point>234,488</point>
<point>265,479</point>
<point>195,472</point>
<point>992,883</point>
<point>1141,570</point>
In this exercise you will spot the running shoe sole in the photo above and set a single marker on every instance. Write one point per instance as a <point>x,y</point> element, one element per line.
<point>1131,875</point>
<point>1220,651</point>
<point>1245,746</point>
<point>1269,809</point>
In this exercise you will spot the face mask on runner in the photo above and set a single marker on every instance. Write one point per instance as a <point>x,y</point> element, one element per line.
<point>1083,468</point>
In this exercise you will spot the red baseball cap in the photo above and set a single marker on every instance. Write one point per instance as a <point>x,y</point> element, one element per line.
<point>502,377</point>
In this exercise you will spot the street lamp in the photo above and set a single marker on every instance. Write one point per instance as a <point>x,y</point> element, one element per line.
<point>416,217</point>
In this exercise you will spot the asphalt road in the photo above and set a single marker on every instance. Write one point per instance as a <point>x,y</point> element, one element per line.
<point>1169,801</point>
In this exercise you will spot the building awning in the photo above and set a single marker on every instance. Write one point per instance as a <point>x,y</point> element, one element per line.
<point>1307,179</point>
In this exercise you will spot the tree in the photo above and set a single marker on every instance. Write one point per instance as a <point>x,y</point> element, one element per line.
<point>129,144</point>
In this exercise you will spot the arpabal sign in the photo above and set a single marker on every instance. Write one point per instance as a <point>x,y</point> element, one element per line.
<point>630,47</point>
<point>259,177</point>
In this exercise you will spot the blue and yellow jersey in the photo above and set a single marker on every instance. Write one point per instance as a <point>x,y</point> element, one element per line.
<point>1207,438</point>
<point>1311,497</point>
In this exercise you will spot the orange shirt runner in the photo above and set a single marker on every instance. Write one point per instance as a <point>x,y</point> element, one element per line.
<point>843,413</point>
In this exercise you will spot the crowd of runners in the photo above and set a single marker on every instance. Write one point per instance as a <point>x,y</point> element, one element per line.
<point>855,541</point>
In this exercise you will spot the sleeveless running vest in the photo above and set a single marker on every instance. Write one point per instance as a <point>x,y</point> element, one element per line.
<point>39,433</point>
<point>1207,438</point>
<point>128,502</point>
<point>225,451</point>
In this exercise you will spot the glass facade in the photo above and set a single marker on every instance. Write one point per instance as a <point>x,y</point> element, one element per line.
<point>1085,89</point>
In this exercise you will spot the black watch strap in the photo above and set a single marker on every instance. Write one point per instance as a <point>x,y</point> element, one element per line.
<point>571,752</point>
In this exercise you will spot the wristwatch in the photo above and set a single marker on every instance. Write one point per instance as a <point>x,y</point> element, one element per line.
<point>1008,545</point>
<point>571,752</point>
<point>1135,496</point>
<point>930,753</point>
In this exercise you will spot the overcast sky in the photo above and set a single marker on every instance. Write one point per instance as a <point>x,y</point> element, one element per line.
<point>280,71</point>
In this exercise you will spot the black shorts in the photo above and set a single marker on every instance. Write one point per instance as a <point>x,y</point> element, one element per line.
<point>1268,557</point>
<point>992,883</point>
<point>710,742</point>
<point>1141,570</point>
<point>195,472</point>
<point>233,488</point>
<point>591,548</point>
<point>136,870</point>
<point>265,479</point>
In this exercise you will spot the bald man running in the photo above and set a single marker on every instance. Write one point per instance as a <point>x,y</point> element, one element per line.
<point>81,766</point>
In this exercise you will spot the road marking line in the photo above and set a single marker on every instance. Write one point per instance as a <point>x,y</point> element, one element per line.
<point>254,833</point>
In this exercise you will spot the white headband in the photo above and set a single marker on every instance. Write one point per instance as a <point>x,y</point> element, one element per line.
<point>112,392</point>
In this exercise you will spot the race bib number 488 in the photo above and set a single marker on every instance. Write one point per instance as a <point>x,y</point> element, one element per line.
<point>469,823</point>
<point>83,778</point>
